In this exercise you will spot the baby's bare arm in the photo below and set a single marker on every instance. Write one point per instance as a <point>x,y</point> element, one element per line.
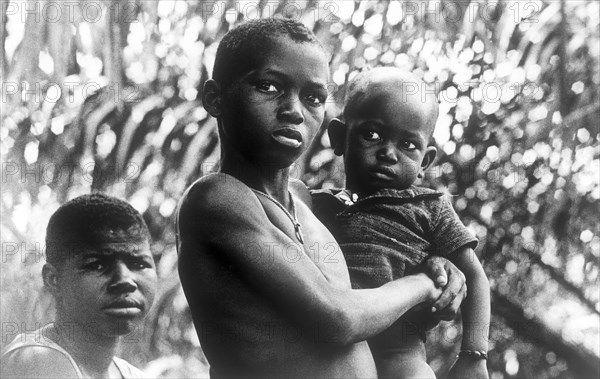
<point>475,313</point>
<point>226,217</point>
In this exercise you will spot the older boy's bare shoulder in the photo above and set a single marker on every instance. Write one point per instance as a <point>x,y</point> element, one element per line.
<point>216,192</point>
<point>37,362</point>
<point>218,199</point>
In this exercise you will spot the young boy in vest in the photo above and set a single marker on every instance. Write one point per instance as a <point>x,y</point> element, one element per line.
<point>101,273</point>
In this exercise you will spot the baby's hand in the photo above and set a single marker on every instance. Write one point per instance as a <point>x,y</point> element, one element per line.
<point>452,282</point>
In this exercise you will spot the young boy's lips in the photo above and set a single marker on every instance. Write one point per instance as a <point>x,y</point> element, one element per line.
<point>289,137</point>
<point>124,308</point>
<point>123,312</point>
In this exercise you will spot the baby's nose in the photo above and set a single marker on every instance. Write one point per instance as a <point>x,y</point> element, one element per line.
<point>387,153</point>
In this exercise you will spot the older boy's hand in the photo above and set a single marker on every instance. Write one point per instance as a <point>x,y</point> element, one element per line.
<point>452,280</point>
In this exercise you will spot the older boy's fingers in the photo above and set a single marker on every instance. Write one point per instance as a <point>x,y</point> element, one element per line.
<point>447,306</point>
<point>453,293</point>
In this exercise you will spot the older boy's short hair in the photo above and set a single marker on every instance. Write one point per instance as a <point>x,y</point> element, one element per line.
<point>89,220</point>
<point>245,46</point>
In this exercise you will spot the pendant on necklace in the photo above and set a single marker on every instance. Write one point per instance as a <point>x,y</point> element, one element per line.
<point>299,233</point>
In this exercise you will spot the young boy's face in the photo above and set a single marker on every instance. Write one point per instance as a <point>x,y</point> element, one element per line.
<point>272,113</point>
<point>386,140</point>
<point>108,290</point>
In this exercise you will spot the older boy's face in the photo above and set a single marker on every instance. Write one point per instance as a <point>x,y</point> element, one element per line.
<point>275,110</point>
<point>109,289</point>
<point>386,140</point>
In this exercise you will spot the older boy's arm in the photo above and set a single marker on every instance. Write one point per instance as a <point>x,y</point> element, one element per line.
<point>476,317</point>
<point>229,218</point>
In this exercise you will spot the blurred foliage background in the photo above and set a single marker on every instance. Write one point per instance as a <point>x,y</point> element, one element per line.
<point>105,96</point>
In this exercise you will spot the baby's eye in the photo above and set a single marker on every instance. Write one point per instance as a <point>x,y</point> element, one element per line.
<point>266,87</point>
<point>407,145</point>
<point>371,136</point>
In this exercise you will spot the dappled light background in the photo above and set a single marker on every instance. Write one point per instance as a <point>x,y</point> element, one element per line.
<point>106,96</point>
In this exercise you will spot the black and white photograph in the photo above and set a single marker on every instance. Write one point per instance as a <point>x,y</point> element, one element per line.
<point>401,189</point>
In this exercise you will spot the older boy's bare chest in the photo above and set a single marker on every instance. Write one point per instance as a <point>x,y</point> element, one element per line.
<point>318,244</point>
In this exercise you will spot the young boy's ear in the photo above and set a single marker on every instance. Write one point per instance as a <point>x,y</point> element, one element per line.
<point>50,277</point>
<point>428,159</point>
<point>337,135</point>
<point>212,98</point>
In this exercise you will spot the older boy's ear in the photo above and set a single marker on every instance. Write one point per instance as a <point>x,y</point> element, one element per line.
<point>50,277</point>
<point>428,159</point>
<point>211,98</point>
<point>337,135</point>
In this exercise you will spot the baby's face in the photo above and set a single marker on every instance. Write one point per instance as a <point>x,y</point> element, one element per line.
<point>386,142</point>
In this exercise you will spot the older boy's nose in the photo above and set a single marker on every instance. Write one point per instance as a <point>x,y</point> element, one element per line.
<point>122,280</point>
<point>290,110</point>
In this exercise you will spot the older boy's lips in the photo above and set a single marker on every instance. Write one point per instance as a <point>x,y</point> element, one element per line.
<point>288,137</point>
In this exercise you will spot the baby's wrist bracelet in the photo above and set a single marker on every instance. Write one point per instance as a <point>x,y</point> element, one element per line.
<point>475,354</point>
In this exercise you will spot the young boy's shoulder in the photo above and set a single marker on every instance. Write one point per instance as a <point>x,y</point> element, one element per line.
<point>35,361</point>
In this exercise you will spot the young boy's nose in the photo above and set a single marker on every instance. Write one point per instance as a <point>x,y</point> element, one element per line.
<point>290,110</point>
<point>122,280</point>
<point>387,154</point>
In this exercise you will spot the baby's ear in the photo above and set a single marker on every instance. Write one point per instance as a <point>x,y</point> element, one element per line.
<point>211,98</point>
<point>50,277</point>
<point>428,159</point>
<point>337,135</point>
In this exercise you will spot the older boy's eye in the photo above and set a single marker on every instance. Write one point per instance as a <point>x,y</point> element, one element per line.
<point>266,87</point>
<point>371,135</point>
<point>407,145</point>
<point>315,99</point>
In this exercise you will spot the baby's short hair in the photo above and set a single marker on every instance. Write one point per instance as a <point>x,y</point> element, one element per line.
<point>358,90</point>
<point>86,221</point>
<point>243,47</point>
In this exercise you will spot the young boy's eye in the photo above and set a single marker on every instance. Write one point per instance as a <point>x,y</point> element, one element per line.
<point>371,136</point>
<point>139,264</point>
<point>266,87</point>
<point>95,266</point>
<point>407,145</point>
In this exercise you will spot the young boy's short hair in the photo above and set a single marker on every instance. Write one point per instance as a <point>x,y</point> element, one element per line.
<point>87,221</point>
<point>243,47</point>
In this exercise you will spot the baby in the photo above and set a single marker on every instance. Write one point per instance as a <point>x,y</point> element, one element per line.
<point>387,226</point>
